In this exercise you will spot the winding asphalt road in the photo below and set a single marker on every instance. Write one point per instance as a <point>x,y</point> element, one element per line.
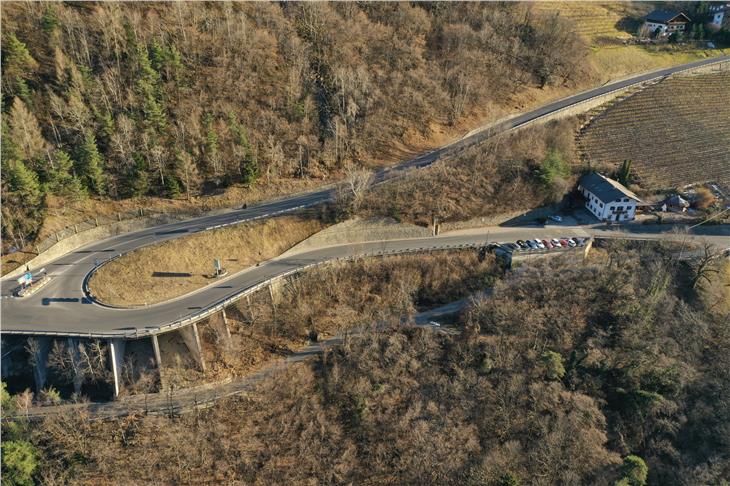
<point>62,308</point>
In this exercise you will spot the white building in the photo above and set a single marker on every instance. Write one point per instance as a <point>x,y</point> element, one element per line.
<point>663,22</point>
<point>607,199</point>
<point>718,15</point>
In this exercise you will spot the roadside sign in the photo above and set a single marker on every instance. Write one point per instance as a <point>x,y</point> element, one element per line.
<point>217,264</point>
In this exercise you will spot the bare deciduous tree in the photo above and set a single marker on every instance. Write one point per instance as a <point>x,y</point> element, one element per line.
<point>357,181</point>
<point>705,265</point>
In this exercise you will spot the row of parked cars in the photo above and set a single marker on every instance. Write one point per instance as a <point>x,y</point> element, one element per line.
<point>546,244</point>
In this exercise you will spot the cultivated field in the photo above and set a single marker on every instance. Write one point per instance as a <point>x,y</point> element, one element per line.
<point>676,132</point>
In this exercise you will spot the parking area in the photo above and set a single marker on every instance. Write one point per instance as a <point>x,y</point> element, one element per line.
<point>545,244</point>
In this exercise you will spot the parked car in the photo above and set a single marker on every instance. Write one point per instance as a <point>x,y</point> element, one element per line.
<point>522,244</point>
<point>556,218</point>
<point>512,246</point>
<point>571,242</point>
<point>580,241</point>
<point>547,244</point>
<point>531,244</point>
<point>564,243</point>
<point>555,242</point>
<point>539,244</point>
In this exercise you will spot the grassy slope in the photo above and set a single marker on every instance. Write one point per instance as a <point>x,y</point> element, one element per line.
<point>605,25</point>
<point>135,278</point>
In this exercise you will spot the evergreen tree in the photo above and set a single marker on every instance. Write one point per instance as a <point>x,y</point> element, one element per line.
<point>148,90</point>
<point>154,115</point>
<point>61,179</point>
<point>90,165</point>
<point>23,182</point>
<point>139,183</point>
<point>18,65</point>
<point>172,187</point>
<point>50,21</point>
<point>553,363</point>
<point>8,148</point>
<point>623,175</point>
<point>552,167</point>
<point>174,66</point>
<point>19,462</point>
<point>248,168</point>
<point>633,471</point>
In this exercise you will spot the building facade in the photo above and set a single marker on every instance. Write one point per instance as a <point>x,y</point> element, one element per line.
<point>665,23</point>
<point>719,16</point>
<point>606,199</point>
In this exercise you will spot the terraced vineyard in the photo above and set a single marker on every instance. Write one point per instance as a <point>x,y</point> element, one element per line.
<point>676,132</point>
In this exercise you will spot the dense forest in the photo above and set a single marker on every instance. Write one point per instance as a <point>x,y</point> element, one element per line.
<point>116,100</point>
<point>570,373</point>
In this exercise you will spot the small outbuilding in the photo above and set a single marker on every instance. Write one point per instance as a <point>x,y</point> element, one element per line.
<point>606,199</point>
<point>675,203</point>
<point>665,22</point>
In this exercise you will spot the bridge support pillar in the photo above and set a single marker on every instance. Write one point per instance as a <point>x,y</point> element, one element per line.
<point>250,309</point>
<point>222,329</point>
<point>158,359</point>
<point>116,354</point>
<point>73,346</point>
<point>156,349</point>
<point>192,341</point>
<point>39,347</point>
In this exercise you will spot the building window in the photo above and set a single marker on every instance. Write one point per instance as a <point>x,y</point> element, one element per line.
<point>610,208</point>
<point>626,199</point>
<point>601,204</point>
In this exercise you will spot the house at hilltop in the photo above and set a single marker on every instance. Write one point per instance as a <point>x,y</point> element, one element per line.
<point>606,199</point>
<point>665,22</point>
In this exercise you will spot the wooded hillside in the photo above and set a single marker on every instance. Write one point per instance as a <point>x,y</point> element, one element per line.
<point>119,100</point>
<point>615,371</point>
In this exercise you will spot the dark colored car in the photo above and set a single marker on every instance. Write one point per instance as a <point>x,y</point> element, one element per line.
<point>522,244</point>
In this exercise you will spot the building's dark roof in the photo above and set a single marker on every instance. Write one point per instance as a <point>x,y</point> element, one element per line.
<point>605,189</point>
<point>665,16</point>
<point>677,200</point>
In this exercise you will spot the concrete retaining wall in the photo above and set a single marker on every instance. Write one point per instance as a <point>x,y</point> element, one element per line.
<point>99,233</point>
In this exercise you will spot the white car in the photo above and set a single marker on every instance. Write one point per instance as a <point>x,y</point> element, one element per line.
<point>555,242</point>
<point>539,244</point>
